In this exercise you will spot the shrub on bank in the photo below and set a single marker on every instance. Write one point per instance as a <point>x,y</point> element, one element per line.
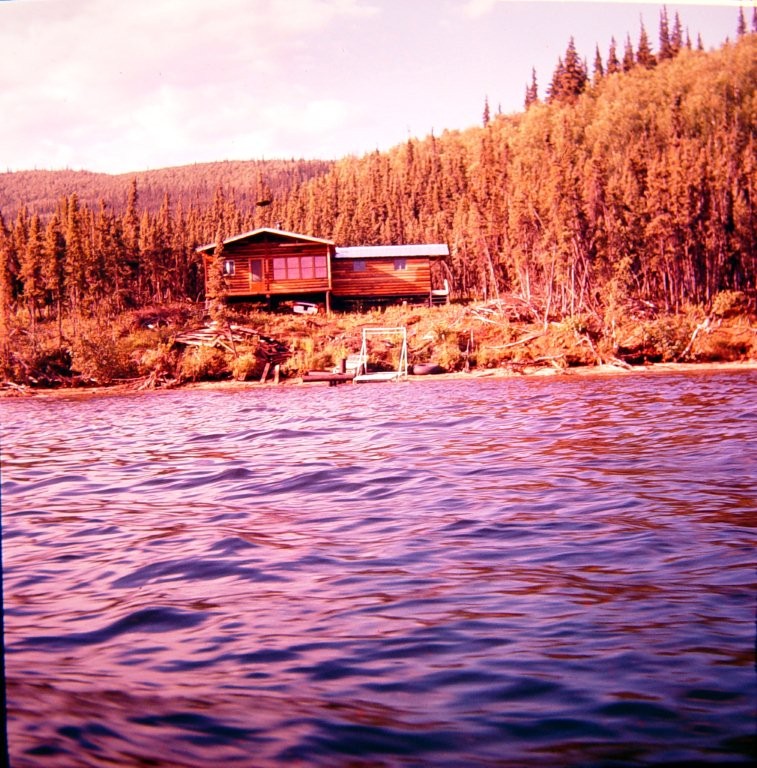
<point>199,363</point>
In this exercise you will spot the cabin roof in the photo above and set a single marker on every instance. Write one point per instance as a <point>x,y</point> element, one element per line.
<point>392,251</point>
<point>256,234</point>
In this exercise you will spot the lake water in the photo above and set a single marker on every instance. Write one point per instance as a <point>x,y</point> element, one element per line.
<point>513,572</point>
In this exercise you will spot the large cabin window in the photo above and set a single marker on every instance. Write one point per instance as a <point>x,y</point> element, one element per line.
<point>229,267</point>
<point>400,265</point>
<point>321,267</point>
<point>307,267</point>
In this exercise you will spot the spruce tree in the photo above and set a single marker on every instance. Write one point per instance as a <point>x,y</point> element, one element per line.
<point>574,75</point>
<point>629,60</point>
<point>644,56</point>
<point>554,91</point>
<point>665,49</point>
<point>31,270</point>
<point>613,65</point>
<point>54,268</point>
<point>676,38</point>
<point>599,71</point>
<point>741,23</point>
<point>532,91</point>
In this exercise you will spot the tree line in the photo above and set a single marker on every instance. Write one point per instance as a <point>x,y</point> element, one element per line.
<point>636,183</point>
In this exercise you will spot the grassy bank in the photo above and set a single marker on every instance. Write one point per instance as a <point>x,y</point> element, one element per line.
<point>175,345</point>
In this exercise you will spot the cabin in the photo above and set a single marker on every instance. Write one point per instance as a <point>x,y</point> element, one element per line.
<point>276,265</point>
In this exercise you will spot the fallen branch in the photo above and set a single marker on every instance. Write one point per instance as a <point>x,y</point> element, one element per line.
<point>703,326</point>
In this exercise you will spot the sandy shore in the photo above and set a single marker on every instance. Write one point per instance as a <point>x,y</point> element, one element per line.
<point>491,373</point>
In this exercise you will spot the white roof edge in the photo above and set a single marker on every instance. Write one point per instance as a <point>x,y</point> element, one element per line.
<point>389,251</point>
<point>270,230</point>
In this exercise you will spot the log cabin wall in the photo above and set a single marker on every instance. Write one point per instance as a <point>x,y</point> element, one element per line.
<point>381,277</point>
<point>268,266</point>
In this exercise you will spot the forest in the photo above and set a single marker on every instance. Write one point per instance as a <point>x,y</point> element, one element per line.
<point>628,184</point>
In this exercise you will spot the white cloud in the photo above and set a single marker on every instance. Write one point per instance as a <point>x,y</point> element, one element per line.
<point>477,8</point>
<point>102,84</point>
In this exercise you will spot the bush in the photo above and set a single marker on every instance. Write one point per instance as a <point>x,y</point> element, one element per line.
<point>669,337</point>
<point>160,360</point>
<point>245,367</point>
<point>97,355</point>
<point>730,304</point>
<point>200,363</point>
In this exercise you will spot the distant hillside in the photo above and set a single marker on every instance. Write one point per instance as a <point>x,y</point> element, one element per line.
<point>41,191</point>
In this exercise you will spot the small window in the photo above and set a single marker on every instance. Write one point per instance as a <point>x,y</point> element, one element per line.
<point>358,265</point>
<point>321,268</point>
<point>229,267</point>
<point>400,264</point>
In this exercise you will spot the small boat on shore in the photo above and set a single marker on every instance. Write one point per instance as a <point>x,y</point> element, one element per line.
<point>426,369</point>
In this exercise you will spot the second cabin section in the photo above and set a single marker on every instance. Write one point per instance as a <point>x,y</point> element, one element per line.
<point>385,272</point>
<point>268,262</point>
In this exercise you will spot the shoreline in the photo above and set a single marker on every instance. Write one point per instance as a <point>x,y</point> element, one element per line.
<point>23,391</point>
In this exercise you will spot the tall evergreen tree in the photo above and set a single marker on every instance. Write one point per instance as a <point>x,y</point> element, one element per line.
<point>629,60</point>
<point>532,91</point>
<point>575,75</point>
<point>676,37</point>
<point>665,50</point>
<point>741,23</point>
<point>599,71</point>
<point>644,56</point>
<point>31,270</point>
<point>613,64</point>
<point>54,268</point>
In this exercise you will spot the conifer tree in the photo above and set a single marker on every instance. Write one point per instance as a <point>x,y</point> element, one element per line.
<point>54,268</point>
<point>532,91</point>
<point>629,60</point>
<point>644,56</point>
<point>214,266</point>
<point>599,71</point>
<point>486,117</point>
<point>613,65</point>
<point>131,258</point>
<point>676,37</point>
<point>574,76</point>
<point>31,270</point>
<point>665,50</point>
<point>554,91</point>
<point>741,23</point>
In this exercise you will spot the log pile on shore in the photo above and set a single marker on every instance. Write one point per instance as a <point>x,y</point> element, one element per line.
<point>231,337</point>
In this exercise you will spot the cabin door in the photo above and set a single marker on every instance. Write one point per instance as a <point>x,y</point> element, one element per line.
<point>256,275</point>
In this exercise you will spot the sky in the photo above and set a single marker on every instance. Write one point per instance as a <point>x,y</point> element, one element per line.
<point>121,86</point>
